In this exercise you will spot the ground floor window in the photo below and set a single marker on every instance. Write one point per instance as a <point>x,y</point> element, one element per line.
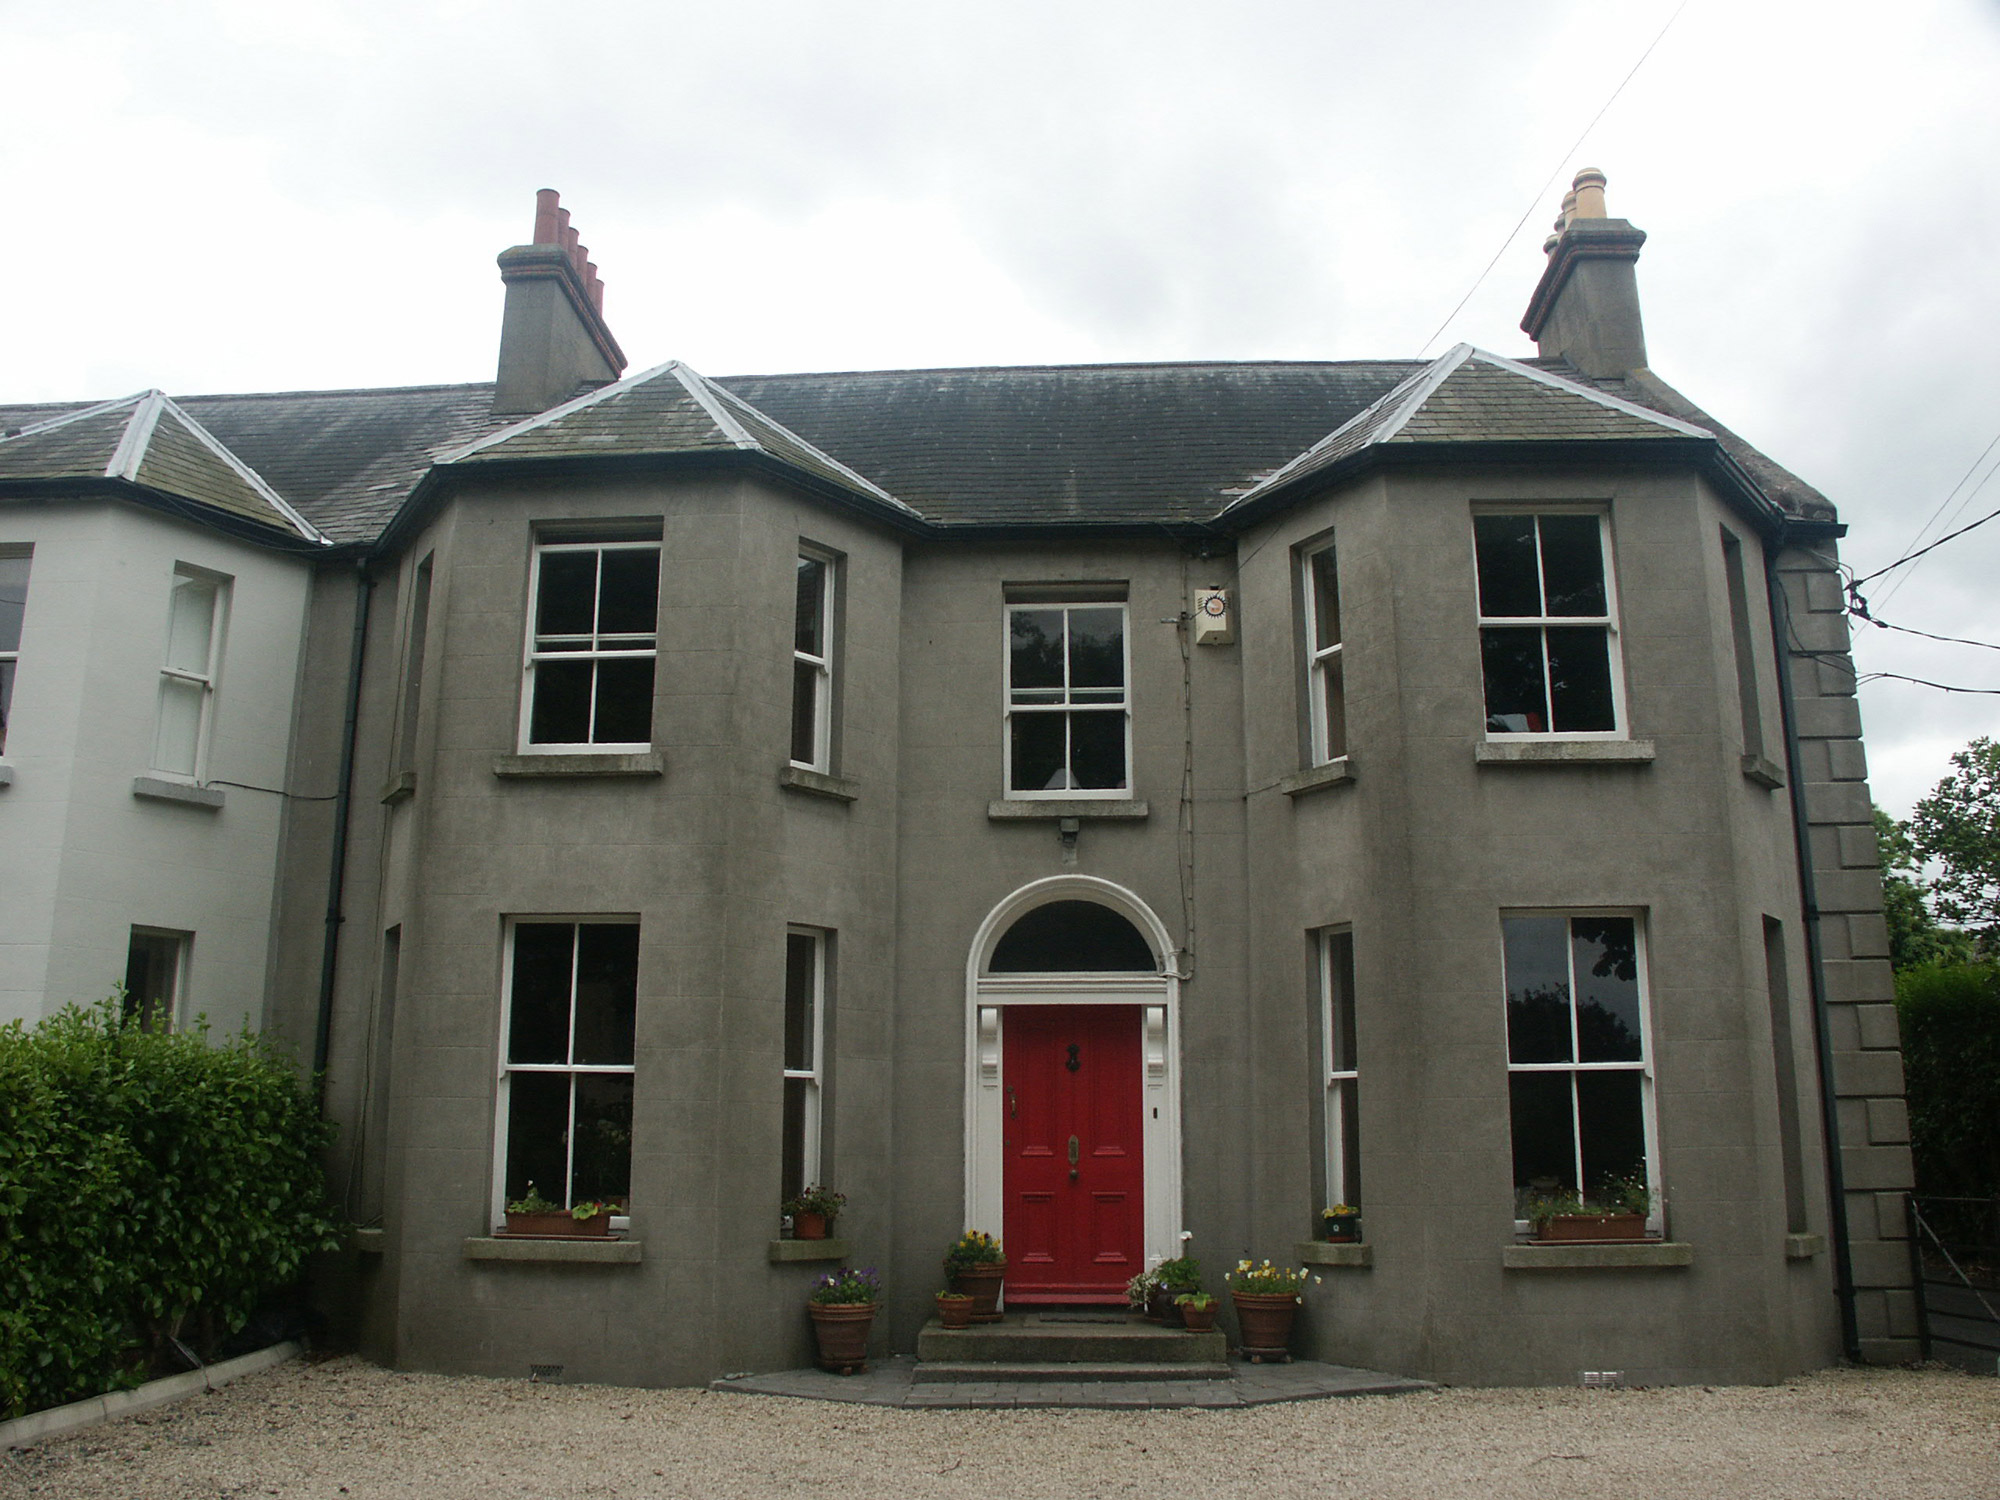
<point>155,974</point>
<point>565,1107</point>
<point>805,1066</point>
<point>1579,1076</point>
<point>1342,1078</point>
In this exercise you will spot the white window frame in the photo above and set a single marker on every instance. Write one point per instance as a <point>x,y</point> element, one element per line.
<point>1322,661</point>
<point>10,656</point>
<point>811,1160</point>
<point>1649,1118</point>
<point>822,665</point>
<point>1334,997</point>
<point>202,683</point>
<point>1123,707</point>
<point>1608,621</point>
<point>502,1093</point>
<point>597,651</point>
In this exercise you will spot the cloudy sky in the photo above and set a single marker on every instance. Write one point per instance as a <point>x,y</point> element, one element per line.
<point>223,195</point>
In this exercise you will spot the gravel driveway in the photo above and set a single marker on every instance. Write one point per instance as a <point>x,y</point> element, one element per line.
<point>348,1428</point>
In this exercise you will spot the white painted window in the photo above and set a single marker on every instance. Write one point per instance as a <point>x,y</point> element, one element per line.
<point>196,617</point>
<point>156,963</point>
<point>1579,1076</point>
<point>1069,723</point>
<point>13,610</point>
<point>566,1059</point>
<point>812,663</point>
<point>593,636</point>
<point>1326,705</point>
<point>805,1059</point>
<point>1548,623</point>
<point>1342,1077</point>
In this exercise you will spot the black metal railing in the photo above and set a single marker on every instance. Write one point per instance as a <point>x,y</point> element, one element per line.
<point>1955,1271</point>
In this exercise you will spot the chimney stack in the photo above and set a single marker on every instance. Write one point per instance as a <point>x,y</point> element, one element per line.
<point>1586,308</point>
<point>553,337</point>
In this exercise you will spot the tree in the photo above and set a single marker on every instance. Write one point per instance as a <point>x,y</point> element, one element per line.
<point>1914,935</point>
<point>1957,827</point>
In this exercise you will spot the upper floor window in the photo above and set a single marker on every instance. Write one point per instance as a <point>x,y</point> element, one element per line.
<point>1546,620</point>
<point>1068,713</point>
<point>1326,705</point>
<point>13,609</point>
<point>195,619</point>
<point>812,664</point>
<point>592,640</point>
<point>1578,1074</point>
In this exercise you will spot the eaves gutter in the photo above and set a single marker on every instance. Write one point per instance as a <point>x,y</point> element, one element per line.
<point>180,507</point>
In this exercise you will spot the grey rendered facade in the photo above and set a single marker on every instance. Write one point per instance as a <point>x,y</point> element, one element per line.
<point>1240,832</point>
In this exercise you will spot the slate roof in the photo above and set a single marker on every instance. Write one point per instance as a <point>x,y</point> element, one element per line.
<point>1470,396</point>
<point>670,409</point>
<point>148,442</point>
<point>1119,446</point>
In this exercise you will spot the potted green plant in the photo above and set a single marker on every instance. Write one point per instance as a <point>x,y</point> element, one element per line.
<point>813,1212</point>
<point>954,1308</point>
<point>1267,1299</point>
<point>1170,1279</point>
<point>1563,1216</point>
<point>976,1265</point>
<point>1139,1295</point>
<point>842,1305</point>
<point>1197,1310</point>
<point>1340,1224</point>
<point>532,1214</point>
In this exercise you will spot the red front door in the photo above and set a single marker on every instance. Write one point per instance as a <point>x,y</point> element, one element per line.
<point>1075,1185</point>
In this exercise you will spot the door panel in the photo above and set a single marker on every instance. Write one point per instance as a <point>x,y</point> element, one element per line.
<point>1074,1165</point>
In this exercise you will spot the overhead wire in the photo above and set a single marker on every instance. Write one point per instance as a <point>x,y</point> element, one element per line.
<point>1945,503</point>
<point>1542,193</point>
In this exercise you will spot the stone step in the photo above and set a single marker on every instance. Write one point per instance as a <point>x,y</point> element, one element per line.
<point>1033,1338</point>
<point>939,1372</point>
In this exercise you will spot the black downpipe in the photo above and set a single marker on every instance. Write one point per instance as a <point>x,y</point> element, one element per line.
<point>364,591</point>
<point>1829,1111</point>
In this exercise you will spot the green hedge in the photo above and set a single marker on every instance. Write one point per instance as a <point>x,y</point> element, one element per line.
<point>151,1184</point>
<point>1950,1015</point>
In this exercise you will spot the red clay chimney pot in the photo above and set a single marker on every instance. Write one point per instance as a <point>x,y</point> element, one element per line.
<point>547,205</point>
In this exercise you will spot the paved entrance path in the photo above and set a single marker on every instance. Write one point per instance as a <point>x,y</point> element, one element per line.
<point>888,1382</point>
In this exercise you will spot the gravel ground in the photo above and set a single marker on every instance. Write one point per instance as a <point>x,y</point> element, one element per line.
<point>348,1428</point>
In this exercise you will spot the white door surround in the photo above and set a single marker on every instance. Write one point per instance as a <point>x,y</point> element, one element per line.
<point>1158,995</point>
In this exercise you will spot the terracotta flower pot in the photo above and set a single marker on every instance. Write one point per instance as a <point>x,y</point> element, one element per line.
<point>559,1224</point>
<point>954,1309</point>
<point>1198,1319</point>
<point>809,1226</point>
<point>982,1283</point>
<point>842,1331</point>
<point>1266,1321</point>
<point>1585,1228</point>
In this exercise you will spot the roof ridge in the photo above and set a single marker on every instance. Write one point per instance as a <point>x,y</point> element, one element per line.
<point>560,410</point>
<point>1133,364</point>
<point>133,441</point>
<point>345,390</point>
<point>1589,393</point>
<point>699,386</point>
<point>811,447</point>
<point>166,405</point>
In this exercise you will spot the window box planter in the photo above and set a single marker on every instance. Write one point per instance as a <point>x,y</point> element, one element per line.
<point>559,1225</point>
<point>1341,1229</point>
<point>1591,1229</point>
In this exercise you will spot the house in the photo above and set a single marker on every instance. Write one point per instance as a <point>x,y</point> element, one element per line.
<point>1127,808</point>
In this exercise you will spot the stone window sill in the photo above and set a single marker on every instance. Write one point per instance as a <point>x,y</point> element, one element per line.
<point>1356,1254</point>
<point>1563,752</point>
<point>401,788</point>
<point>371,1241</point>
<point>1765,773</point>
<point>784,1252</point>
<point>1009,809</point>
<point>818,784</point>
<point>643,763</point>
<point>1317,778</point>
<point>153,789</point>
<point>594,1252</point>
<point>1634,1255</point>
<point>1804,1246</point>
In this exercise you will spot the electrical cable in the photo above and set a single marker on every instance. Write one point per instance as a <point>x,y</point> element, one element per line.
<point>1932,519</point>
<point>1542,193</point>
